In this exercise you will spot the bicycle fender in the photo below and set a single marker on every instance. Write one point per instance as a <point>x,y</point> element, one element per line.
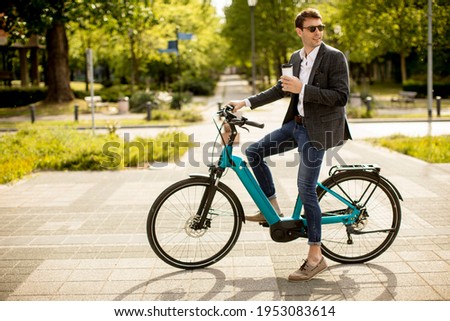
<point>198,175</point>
<point>396,191</point>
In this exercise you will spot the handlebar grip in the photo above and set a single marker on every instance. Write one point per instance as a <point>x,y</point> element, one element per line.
<point>227,112</point>
<point>254,124</point>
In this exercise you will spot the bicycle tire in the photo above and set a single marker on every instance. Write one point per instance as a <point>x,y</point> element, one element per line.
<point>380,203</point>
<point>168,224</point>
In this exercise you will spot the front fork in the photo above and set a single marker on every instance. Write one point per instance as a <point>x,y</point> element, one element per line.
<point>201,220</point>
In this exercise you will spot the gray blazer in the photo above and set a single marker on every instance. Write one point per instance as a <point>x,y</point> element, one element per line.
<point>325,98</point>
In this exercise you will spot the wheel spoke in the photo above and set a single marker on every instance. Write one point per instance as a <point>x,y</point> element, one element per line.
<point>173,232</point>
<point>378,224</point>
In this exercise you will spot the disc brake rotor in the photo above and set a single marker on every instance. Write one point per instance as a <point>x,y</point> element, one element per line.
<point>191,231</point>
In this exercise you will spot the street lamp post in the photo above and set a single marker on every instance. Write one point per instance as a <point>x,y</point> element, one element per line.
<point>430,61</point>
<point>252,4</point>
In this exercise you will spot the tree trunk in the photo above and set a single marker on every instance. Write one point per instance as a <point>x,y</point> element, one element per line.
<point>34,66</point>
<point>58,72</point>
<point>403,67</point>
<point>23,67</point>
<point>134,63</point>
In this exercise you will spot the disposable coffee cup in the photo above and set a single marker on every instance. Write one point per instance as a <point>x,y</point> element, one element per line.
<point>286,69</point>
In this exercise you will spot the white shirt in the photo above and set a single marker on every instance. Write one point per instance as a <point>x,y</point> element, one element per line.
<point>305,71</point>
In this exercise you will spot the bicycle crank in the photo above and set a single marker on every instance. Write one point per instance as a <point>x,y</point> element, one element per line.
<point>286,231</point>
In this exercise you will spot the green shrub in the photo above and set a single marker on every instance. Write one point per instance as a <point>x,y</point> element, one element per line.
<point>162,115</point>
<point>114,93</point>
<point>80,94</point>
<point>37,148</point>
<point>180,99</point>
<point>139,100</point>
<point>108,94</point>
<point>197,86</point>
<point>358,112</point>
<point>166,146</point>
<point>187,115</point>
<point>439,88</point>
<point>17,97</point>
<point>191,116</point>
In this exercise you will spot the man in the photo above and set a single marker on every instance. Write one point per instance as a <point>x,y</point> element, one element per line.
<point>314,122</point>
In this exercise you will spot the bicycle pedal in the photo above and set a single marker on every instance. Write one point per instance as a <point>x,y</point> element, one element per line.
<point>264,224</point>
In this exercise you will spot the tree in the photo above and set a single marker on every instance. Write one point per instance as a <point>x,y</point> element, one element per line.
<point>58,73</point>
<point>130,20</point>
<point>45,18</point>
<point>373,28</point>
<point>202,58</point>
<point>275,33</point>
<point>125,34</point>
<point>441,38</point>
<point>129,37</point>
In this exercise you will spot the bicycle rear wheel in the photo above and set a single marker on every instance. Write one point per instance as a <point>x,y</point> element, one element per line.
<point>170,224</point>
<point>375,229</point>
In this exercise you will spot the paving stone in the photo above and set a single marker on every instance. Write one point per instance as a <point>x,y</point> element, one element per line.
<point>82,235</point>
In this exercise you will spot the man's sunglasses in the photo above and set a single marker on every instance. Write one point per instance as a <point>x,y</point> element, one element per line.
<point>313,28</point>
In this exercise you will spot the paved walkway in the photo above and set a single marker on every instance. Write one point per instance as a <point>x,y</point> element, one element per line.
<point>81,235</point>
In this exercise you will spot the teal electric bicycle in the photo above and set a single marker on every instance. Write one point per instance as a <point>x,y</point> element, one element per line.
<point>196,222</point>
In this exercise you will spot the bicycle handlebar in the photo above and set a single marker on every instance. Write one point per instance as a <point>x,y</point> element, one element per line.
<point>254,124</point>
<point>233,119</point>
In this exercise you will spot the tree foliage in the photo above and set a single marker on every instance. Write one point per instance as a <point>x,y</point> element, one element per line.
<point>366,30</point>
<point>275,35</point>
<point>124,35</point>
<point>130,36</point>
<point>47,19</point>
<point>376,27</point>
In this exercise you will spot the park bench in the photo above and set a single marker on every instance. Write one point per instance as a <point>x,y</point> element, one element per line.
<point>6,77</point>
<point>98,102</point>
<point>405,97</point>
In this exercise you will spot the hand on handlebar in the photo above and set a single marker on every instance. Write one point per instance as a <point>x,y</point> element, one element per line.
<point>237,104</point>
<point>231,118</point>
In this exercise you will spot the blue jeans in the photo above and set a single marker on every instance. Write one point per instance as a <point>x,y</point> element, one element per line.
<point>290,136</point>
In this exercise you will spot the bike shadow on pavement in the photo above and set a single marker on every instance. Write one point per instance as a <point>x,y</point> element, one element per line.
<point>348,282</point>
<point>179,290</point>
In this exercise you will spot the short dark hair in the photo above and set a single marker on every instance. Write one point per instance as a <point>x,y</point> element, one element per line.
<point>307,13</point>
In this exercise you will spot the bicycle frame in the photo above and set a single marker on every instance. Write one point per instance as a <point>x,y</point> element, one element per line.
<point>240,167</point>
<point>356,196</point>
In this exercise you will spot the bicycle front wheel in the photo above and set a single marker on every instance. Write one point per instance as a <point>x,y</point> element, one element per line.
<point>170,224</point>
<point>373,231</point>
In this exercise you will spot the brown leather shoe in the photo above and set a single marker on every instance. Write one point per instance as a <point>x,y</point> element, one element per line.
<point>307,272</point>
<point>258,217</point>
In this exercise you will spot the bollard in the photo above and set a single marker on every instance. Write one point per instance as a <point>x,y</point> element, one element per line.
<point>368,102</point>
<point>75,111</point>
<point>438,105</point>
<point>33,113</point>
<point>219,106</point>
<point>148,105</point>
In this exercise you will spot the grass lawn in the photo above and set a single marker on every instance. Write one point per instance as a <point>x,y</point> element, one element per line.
<point>7,125</point>
<point>39,149</point>
<point>432,149</point>
<point>379,90</point>
<point>49,109</point>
